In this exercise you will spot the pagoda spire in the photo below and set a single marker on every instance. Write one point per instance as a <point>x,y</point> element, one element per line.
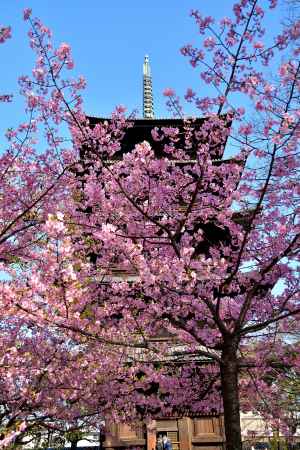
<point>148,111</point>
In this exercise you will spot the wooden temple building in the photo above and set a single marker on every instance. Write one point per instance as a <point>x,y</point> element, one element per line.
<point>187,431</point>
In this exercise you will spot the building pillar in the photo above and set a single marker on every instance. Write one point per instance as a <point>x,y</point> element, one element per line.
<point>151,435</point>
<point>185,430</point>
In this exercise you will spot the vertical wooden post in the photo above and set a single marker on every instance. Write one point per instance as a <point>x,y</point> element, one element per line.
<point>185,433</point>
<point>151,435</point>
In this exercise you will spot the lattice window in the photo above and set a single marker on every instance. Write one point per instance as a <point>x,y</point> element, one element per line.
<point>174,438</point>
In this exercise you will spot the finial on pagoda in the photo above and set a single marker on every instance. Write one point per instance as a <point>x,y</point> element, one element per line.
<point>148,111</point>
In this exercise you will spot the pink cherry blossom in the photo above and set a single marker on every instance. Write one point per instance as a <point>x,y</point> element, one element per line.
<point>169,92</point>
<point>63,51</point>
<point>209,42</point>
<point>5,33</point>
<point>27,13</point>
<point>6,98</point>
<point>258,45</point>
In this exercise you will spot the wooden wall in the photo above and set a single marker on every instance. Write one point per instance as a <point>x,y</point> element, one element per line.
<point>202,433</point>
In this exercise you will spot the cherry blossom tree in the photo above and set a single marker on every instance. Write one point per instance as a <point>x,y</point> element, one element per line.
<point>49,378</point>
<point>33,182</point>
<point>202,248</point>
<point>210,257</point>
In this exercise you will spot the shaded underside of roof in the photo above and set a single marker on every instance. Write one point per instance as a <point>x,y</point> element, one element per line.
<point>142,128</point>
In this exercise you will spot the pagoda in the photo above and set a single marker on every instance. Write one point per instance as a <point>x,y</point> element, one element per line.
<point>186,430</point>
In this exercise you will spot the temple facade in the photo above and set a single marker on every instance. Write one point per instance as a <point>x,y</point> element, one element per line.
<point>185,433</point>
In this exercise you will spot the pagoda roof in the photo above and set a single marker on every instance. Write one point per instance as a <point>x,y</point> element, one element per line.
<point>141,131</point>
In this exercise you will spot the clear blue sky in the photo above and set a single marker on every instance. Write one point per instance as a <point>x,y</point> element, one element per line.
<point>109,39</point>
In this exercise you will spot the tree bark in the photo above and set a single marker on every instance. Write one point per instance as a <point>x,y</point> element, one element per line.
<point>74,445</point>
<point>230,393</point>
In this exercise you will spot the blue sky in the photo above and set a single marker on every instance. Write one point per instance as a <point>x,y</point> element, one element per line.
<point>109,40</point>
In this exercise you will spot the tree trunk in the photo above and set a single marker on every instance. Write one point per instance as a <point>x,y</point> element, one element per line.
<point>74,445</point>
<point>230,393</point>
